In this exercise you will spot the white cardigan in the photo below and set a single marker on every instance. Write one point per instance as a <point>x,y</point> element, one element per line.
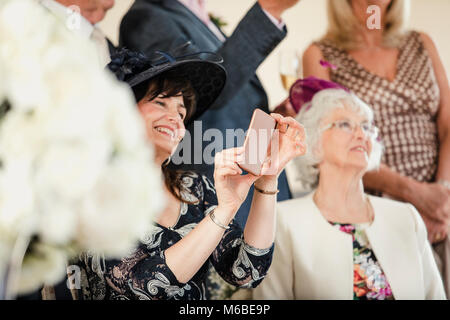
<point>314,260</point>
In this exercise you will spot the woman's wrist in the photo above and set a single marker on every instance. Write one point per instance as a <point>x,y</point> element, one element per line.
<point>268,183</point>
<point>224,214</point>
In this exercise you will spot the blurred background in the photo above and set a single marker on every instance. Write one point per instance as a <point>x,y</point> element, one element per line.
<point>305,22</point>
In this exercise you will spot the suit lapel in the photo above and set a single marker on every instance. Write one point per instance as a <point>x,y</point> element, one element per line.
<point>396,253</point>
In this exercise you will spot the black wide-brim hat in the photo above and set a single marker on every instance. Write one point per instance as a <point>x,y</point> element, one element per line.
<point>202,69</point>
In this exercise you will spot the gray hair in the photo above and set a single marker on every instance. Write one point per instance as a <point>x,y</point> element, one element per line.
<point>311,116</point>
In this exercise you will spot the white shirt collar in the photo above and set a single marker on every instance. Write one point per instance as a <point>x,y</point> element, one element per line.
<point>84,29</point>
<point>198,7</point>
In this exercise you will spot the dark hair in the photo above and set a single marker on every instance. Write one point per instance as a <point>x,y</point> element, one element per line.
<point>169,84</point>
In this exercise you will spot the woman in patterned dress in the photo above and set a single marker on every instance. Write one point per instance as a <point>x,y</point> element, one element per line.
<point>400,75</point>
<point>338,242</point>
<point>196,227</point>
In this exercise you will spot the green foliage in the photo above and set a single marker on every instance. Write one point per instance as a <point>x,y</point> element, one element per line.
<point>218,21</point>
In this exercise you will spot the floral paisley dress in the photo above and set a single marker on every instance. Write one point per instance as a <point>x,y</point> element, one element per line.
<point>369,281</point>
<point>144,274</point>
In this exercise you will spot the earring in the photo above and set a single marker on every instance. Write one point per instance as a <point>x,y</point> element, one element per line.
<point>166,163</point>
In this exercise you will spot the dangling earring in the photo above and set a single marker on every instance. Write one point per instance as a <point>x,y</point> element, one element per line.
<point>166,163</point>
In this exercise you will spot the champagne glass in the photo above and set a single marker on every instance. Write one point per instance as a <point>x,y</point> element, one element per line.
<point>290,68</point>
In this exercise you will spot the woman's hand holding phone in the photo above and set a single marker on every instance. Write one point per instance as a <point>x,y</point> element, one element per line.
<point>286,143</point>
<point>231,186</point>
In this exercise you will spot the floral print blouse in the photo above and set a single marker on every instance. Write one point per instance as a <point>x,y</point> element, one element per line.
<point>369,281</point>
<point>144,274</point>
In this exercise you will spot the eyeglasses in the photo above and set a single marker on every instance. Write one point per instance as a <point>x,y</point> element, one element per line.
<point>369,130</point>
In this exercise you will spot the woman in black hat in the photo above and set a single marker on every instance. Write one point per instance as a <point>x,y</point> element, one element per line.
<point>196,227</point>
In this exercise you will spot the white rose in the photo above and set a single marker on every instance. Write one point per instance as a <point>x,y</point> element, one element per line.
<point>19,136</point>
<point>57,221</point>
<point>16,199</point>
<point>124,120</point>
<point>69,170</point>
<point>27,87</point>
<point>77,167</point>
<point>25,33</point>
<point>45,264</point>
<point>121,206</point>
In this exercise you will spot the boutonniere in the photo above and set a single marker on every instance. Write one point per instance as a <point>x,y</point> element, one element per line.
<point>217,21</point>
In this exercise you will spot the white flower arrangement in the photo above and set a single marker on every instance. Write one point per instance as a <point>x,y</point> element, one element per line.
<point>76,169</point>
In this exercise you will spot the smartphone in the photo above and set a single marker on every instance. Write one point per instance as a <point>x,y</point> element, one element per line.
<point>257,141</point>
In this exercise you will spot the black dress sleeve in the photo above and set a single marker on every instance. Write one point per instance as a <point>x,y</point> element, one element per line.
<point>151,278</point>
<point>143,275</point>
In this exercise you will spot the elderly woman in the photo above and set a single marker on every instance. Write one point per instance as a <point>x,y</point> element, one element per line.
<point>197,226</point>
<point>400,75</point>
<point>338,242</point>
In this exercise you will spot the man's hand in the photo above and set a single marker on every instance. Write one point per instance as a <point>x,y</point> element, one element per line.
<point>277,7</point>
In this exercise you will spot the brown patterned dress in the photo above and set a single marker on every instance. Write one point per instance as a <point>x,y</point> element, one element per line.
<point>405,109</point>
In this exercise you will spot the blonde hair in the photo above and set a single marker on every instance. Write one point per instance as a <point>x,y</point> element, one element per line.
<point>343,25</point>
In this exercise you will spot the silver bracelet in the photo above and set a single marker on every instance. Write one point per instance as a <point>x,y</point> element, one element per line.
<point>444,183</point>
<point>214,219</point>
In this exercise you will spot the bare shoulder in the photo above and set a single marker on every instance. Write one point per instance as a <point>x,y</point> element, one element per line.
<point>438,66</point>
<point>312,53</point>
<point>311,63</point>
<point>428,43</point>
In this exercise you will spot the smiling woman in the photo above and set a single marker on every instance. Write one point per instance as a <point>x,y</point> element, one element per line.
<point>165,105</point>
<point>338,225</point>
<point>197,226</point>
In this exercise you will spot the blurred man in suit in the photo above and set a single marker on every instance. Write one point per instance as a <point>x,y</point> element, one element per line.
<point>91,12</point>
<point>165,25</point>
